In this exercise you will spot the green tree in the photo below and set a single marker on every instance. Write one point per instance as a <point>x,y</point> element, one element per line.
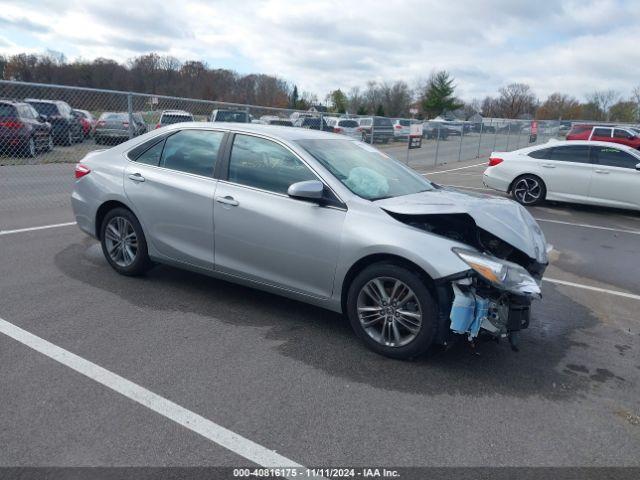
<point>339,101</point>
<point>362,110</point>
<point>380,110</point>
<point>293,100</point>
<point>623,112</point>
<point>438,94</point>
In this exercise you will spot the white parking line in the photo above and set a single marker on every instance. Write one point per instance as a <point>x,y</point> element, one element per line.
<point>594,289</point>
<point>455,169</point>
<point>31,229</point>
<point>467,188</point>
<point>188,419</point>
<point>586,225</point>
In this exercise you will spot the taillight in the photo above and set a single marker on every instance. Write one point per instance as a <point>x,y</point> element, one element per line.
<point>101,123</point>
<point>359,129</point>
<point>125,124</point>
<point>337,130</point>
<point>158,125</point>
<point>12,124</point>
<point>81,170</point>
<point>493,161</point>
<point>398,126</point>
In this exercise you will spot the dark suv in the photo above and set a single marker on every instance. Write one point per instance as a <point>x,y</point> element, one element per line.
<point>382,129</point>
<point>22,131</point>
<point>66,127</point>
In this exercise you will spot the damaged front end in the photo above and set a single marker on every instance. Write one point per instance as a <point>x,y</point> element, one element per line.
<point>494,296</point>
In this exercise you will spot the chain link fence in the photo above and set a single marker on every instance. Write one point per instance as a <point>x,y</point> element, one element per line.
<point>46,129</point>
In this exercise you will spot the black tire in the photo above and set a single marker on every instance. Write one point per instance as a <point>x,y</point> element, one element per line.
<point>364,137</point>
<point>423,339</point>
<point>49,145</point>
<point>535,196</point>
<point>67,138</point>
<point>141,262</point>
<point>30,150</point>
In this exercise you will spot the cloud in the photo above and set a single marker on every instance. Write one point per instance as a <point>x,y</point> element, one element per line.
<point>573,46</point>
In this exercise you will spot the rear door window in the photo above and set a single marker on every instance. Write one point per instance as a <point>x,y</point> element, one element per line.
<point>192,151</point>
<point>614,157</point>
<point>573,153</point>
<point>382,122</point>
<point>602,132</point>
<point>152,156</point>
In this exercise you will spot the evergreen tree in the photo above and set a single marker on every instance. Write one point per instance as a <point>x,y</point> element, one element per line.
<point>293,101</point>
<point>380,110</point>
<point>438,95</point>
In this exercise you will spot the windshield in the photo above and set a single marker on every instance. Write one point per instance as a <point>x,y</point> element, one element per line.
<point>364,170</point>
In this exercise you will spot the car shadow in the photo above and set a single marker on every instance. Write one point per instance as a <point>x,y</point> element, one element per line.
<point>324,340</point>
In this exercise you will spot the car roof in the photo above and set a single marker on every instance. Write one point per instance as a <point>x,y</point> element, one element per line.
<point>12,102</point>
<point>283,132</point>
<point>562,143</point>
<point>41,100</point>
<point>177,112</point>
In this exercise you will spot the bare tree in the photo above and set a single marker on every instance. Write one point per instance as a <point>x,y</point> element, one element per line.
<point>516,101</point>
<point>559,106</point>
<point>602,100</point>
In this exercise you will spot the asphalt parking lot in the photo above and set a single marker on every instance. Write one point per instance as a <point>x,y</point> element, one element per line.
<point>293,378</point>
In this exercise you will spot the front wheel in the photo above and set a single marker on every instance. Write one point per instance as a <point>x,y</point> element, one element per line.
<point>30,150</point>
<point>528,190</point>
<point>392,311</point>
<point>123,243</point>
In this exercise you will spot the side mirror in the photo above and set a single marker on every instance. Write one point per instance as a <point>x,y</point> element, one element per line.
<point>42,118</point>
<point>638,167</point>
<point>308,190</point>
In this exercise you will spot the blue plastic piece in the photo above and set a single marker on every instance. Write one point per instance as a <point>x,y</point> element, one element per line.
<point>467,312</point>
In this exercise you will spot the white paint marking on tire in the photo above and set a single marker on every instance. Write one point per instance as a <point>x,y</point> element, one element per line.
<point>33,229</point>
<point>226,438</point>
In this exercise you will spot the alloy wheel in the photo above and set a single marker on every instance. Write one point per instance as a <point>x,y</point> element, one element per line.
<point>527,190</point>
<point>389,311</point>
<point>121,241</point>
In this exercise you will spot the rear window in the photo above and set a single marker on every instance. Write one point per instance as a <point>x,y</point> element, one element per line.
<point>114,116</point>
<point>404,123</point>
<point>284,123</point>
<point>382,122</point>
<point>348,123</point>
<point>577,129</point>
<point>240,117</point>
<point>169,118</point>
<point>7,111</point>
<point>47,109</point>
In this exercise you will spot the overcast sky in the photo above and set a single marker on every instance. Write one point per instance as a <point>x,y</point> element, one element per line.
<point>571,46</point>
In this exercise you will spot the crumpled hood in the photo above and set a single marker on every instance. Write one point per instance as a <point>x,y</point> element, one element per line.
<point>502,217</point>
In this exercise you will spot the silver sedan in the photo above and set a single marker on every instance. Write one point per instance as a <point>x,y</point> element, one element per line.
<point>320,218</point>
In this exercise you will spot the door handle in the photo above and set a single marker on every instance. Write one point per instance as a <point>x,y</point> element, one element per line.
<point>548,165</point>
<point>136,177</point>
<point>228,200</point>
<point>604,172</point>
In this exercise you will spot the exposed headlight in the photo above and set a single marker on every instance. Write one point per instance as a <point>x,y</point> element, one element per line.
<point>505,275</point>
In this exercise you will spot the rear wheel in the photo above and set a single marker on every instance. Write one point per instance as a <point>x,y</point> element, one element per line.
<point>68,137</point>
<point>49,144</point>
<point>528,190</point>
<point>392,311</point>
<point>30,148</point>
<point>123,242</point>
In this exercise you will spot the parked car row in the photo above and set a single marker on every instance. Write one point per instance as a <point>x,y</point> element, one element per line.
<point>629,136</point>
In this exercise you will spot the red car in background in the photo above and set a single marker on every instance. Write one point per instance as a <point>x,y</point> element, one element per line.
<point>86,120</point>
<point>605,133</point>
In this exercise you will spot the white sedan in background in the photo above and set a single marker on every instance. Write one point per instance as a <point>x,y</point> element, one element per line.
<point>594,173</point>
